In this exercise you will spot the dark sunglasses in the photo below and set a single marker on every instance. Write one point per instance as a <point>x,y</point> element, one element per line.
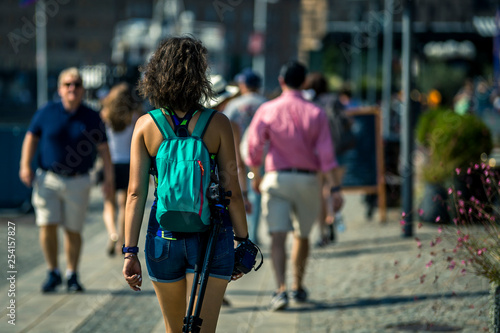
<point>76,84</point>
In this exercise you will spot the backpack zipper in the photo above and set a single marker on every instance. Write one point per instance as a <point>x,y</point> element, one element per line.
<point>201,186</point>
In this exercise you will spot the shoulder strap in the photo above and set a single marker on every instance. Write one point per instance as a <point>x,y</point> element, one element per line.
<point>162,123</point>
<point>203,121</point>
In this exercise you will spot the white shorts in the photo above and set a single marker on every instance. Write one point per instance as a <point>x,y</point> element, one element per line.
<point>61,200</point>
<point>290,202</point>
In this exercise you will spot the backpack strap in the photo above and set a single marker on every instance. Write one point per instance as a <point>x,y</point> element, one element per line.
<point>203,121</point>
<point>162,123</point>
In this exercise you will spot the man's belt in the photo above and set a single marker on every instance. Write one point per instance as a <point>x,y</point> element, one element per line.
<point>66,173</point>
<point>296,170</point>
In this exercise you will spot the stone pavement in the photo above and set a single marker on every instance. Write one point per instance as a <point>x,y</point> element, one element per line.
<point>352,286</point>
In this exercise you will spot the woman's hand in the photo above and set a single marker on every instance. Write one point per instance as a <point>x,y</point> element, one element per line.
<point>132,271</point>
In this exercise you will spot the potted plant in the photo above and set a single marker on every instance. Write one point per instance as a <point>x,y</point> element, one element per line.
<point>451,141</point>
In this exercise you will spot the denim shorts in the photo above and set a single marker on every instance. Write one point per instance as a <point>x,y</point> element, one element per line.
<point>170,260</point>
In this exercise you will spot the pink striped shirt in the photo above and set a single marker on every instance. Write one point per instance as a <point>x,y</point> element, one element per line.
<point>297,132</point>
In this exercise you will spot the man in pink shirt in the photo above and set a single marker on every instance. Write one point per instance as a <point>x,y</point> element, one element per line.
<point>300,150</point>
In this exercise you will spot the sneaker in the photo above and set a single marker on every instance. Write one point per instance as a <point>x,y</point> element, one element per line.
<point>73,285</point>
<point>53,280</point>
<point>279,301</point>
<point>299,296</point>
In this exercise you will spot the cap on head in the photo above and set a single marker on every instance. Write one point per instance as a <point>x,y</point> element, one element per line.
<point>293,74</point>
<point>221,90</point>
<point>249,78</point>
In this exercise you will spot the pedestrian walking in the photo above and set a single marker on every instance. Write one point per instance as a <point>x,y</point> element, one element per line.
<point>69,135</point>
<point>120,111</point>
<point>299,147</point>
<point>316,90</point>
<point>175,81</point>
<point>240,111</point>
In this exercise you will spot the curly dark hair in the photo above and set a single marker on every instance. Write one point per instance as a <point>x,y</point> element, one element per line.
<point>176,75</point>
<point>118,107</point>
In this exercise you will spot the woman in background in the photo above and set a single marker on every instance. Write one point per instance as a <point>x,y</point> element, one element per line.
<point>120,111</point>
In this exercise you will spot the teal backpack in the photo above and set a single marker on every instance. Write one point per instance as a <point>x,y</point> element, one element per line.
<point>183,165</point>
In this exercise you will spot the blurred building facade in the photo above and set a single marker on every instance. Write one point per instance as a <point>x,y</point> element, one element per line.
<point>458,31</point>
<point>122,33</point>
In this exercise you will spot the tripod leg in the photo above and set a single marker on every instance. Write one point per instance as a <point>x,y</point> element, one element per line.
<point>188,320</point>
<point>207,263</point>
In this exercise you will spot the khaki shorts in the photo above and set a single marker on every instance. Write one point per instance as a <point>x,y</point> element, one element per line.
<point>290,202</point>
<point>61,200</point>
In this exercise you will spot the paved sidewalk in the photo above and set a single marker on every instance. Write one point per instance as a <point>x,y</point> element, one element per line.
<point>352,287</point>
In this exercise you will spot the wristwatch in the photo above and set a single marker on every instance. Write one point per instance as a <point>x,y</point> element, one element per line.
<point>129,249</point>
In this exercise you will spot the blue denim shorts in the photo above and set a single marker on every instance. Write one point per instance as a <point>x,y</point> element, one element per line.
<point>170,260</point>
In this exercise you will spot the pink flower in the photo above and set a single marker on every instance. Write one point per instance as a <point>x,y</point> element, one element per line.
<point>457,170</point>
<point>440,229</point>
<point>450,190</point>
<point>402,222</point>
<point>479,252</point>
<point>421,211</point>
<point>476,166</point>
<point>403,214</point>
<point>438,219</point>
<point>488,180</point>
<point>469,171</point>
<point>463,271</point>
<point>429,264</point>
<point>452,265</point>
<point>459,193</point>
<point>463,262</point>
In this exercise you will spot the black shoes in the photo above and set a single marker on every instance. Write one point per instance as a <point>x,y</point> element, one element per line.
<point>73,285</point>
<point>299,296</point>
<point>54,280</point>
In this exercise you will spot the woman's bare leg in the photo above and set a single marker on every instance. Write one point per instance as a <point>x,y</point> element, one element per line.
<point>212,302</point>
<point>172,299</point>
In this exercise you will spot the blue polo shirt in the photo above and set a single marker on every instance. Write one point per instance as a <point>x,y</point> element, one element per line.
<point>67,141</point>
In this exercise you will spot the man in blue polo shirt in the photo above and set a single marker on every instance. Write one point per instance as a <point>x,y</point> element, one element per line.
<point>69,136</point>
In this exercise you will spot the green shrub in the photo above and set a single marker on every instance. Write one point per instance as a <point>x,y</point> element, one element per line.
<point>453,141</point>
